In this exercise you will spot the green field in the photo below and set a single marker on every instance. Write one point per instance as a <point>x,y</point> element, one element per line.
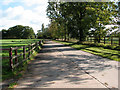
<point>7,43</point>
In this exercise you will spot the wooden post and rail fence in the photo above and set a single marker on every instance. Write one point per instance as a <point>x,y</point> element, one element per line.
<point>30,48</point>
<point>106,40</point>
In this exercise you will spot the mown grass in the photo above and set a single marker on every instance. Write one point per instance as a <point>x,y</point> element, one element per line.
<point>97,50</point>
<point>7,43</point>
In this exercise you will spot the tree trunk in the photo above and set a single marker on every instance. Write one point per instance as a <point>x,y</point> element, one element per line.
<point>65,35</point>
<point>81,36</point>
<point>68,37</point>
<point>99,39</point>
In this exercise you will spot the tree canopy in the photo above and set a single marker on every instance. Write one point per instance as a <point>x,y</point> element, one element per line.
<point>19,32</point>
<point>78,19</point>
<point>43,33</point>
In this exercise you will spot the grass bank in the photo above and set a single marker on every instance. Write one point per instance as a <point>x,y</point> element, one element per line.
<point>97,50</point>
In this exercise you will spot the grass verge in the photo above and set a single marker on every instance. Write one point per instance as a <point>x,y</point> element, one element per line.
<point>97,50</point>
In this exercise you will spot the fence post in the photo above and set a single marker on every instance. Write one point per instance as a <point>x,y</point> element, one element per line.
<point>16,59</point>
<point>40,43</point>
<point>111,40</point>
<point>94,40</point>
<point>104,40</point>
<point>91,39</point>
<point>10,58</point>
<point>29,50</point>
<point>24,52</point>
<point>36,44</point>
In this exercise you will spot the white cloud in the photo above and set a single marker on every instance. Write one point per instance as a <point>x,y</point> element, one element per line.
<point>6,2</point>
<point>34,2</point>
<point>20,15</point>
<point>14,12</point>
<point>40,9</point>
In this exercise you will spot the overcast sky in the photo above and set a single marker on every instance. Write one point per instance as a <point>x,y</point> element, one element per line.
<point>23,12</point>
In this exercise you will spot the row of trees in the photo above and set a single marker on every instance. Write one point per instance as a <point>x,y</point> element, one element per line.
<point>18,32</point>
<point>80,19</point>
<point>43,33</point>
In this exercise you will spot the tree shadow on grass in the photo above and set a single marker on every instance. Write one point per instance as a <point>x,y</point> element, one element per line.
<point>107,54</point>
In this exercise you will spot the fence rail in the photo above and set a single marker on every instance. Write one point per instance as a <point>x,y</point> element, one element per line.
<point>10,50</point>
<point>106,40</point>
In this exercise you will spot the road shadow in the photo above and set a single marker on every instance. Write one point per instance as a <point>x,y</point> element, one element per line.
<point>52,64</point>
<point>44,70</point>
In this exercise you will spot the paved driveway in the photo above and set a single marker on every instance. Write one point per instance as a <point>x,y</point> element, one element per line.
<point>59,66</point>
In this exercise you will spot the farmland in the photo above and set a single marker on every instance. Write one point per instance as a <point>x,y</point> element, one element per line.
<point>7,43</point>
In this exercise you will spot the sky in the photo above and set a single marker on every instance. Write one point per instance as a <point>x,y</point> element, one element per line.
<point>23,12</point>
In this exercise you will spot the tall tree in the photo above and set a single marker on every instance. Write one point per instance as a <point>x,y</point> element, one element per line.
<point>43,28</point>
<point>79,17</point>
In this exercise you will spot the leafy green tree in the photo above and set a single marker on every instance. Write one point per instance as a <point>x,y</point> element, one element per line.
<point>16,31</point>
<point>106,13</point>
<point>39,34</point>
<point>21,32</point>
<point>28,33</point>
<point>53,30</point>
<point>78,18</point>
<point>57,21</point>
<point>4,33</point>
<point>72,15</point>
<point>43,29</point>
